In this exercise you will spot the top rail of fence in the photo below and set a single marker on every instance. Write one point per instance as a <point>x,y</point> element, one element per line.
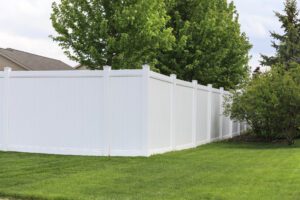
<point>100,73</point>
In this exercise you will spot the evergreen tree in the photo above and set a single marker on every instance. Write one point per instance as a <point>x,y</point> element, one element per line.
<point>288,45</point>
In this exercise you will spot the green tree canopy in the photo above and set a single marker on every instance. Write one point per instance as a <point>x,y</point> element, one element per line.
<point>210,46</point>
<point>196,39</point>
<point>120,33</point>
<point>287,45</point>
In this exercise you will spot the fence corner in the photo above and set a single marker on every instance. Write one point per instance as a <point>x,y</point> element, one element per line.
<point>145,108</point>
<point>173,78</point>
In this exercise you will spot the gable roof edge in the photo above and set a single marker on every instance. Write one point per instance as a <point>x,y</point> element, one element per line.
<point>16,62</point>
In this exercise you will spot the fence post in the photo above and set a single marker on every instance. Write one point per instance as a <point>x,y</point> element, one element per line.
<point>246,126</point>
<point>5,116</point>
<point>172,107</point>
<point>239,128</point>
<point>209,104</point>
<point>230,128</point>
<point>243,128</point>
<point>194,117</point>
<point>221,113</point>
<point>145,97</point>
<point>106,74</point>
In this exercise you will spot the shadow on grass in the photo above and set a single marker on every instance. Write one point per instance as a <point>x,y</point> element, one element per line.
<point>257,145</point>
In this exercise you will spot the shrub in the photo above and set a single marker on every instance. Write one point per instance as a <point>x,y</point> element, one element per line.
<point>270,103</point>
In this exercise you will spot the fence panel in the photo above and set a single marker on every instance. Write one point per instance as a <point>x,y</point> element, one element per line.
<point>183,115</point>
<point>235,130</point>
<point>125,115</point>
<point>215,117</point>
<point>56,115</point>
<point>202,136</point>
<point>226,130</point>
<point>160,124</point>
<point>109,112</point>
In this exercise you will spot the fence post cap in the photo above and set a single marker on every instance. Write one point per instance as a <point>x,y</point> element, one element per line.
<point>173,76</point>
<point>146,67</point>
<point>106,68</point>
<point>7,69</point>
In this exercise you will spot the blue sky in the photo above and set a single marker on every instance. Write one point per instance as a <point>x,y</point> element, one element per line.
<point>25,25</point>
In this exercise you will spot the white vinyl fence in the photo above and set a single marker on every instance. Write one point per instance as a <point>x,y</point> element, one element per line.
<point>109,112</point>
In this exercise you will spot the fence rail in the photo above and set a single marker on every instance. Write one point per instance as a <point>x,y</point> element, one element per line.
<point>108,112</point>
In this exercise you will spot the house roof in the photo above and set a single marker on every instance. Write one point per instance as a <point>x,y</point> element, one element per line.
<point>33,62</point>
<point>77,66</point>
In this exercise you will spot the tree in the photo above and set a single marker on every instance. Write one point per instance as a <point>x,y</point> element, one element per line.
<point>288,46</point>
<point>120,33</point>
<point>209,45</point>
<point>195,39</point>
<point>270,103</point>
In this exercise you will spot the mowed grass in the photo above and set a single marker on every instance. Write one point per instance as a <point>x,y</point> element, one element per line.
<point>224,170</point>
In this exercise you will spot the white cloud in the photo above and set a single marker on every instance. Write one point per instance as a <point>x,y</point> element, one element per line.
<point>257,16</point>
<point>257,19</point>
<point>258,26</point>
<point>25,25</point>
<point>254,62</point>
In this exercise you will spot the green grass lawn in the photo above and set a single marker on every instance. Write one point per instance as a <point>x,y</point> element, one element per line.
<point>216,171</point>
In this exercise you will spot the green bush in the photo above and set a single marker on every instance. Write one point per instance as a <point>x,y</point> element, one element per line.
<point>270,103</point>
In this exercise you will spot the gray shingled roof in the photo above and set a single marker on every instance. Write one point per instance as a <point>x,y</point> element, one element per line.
<point>33,62</point>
